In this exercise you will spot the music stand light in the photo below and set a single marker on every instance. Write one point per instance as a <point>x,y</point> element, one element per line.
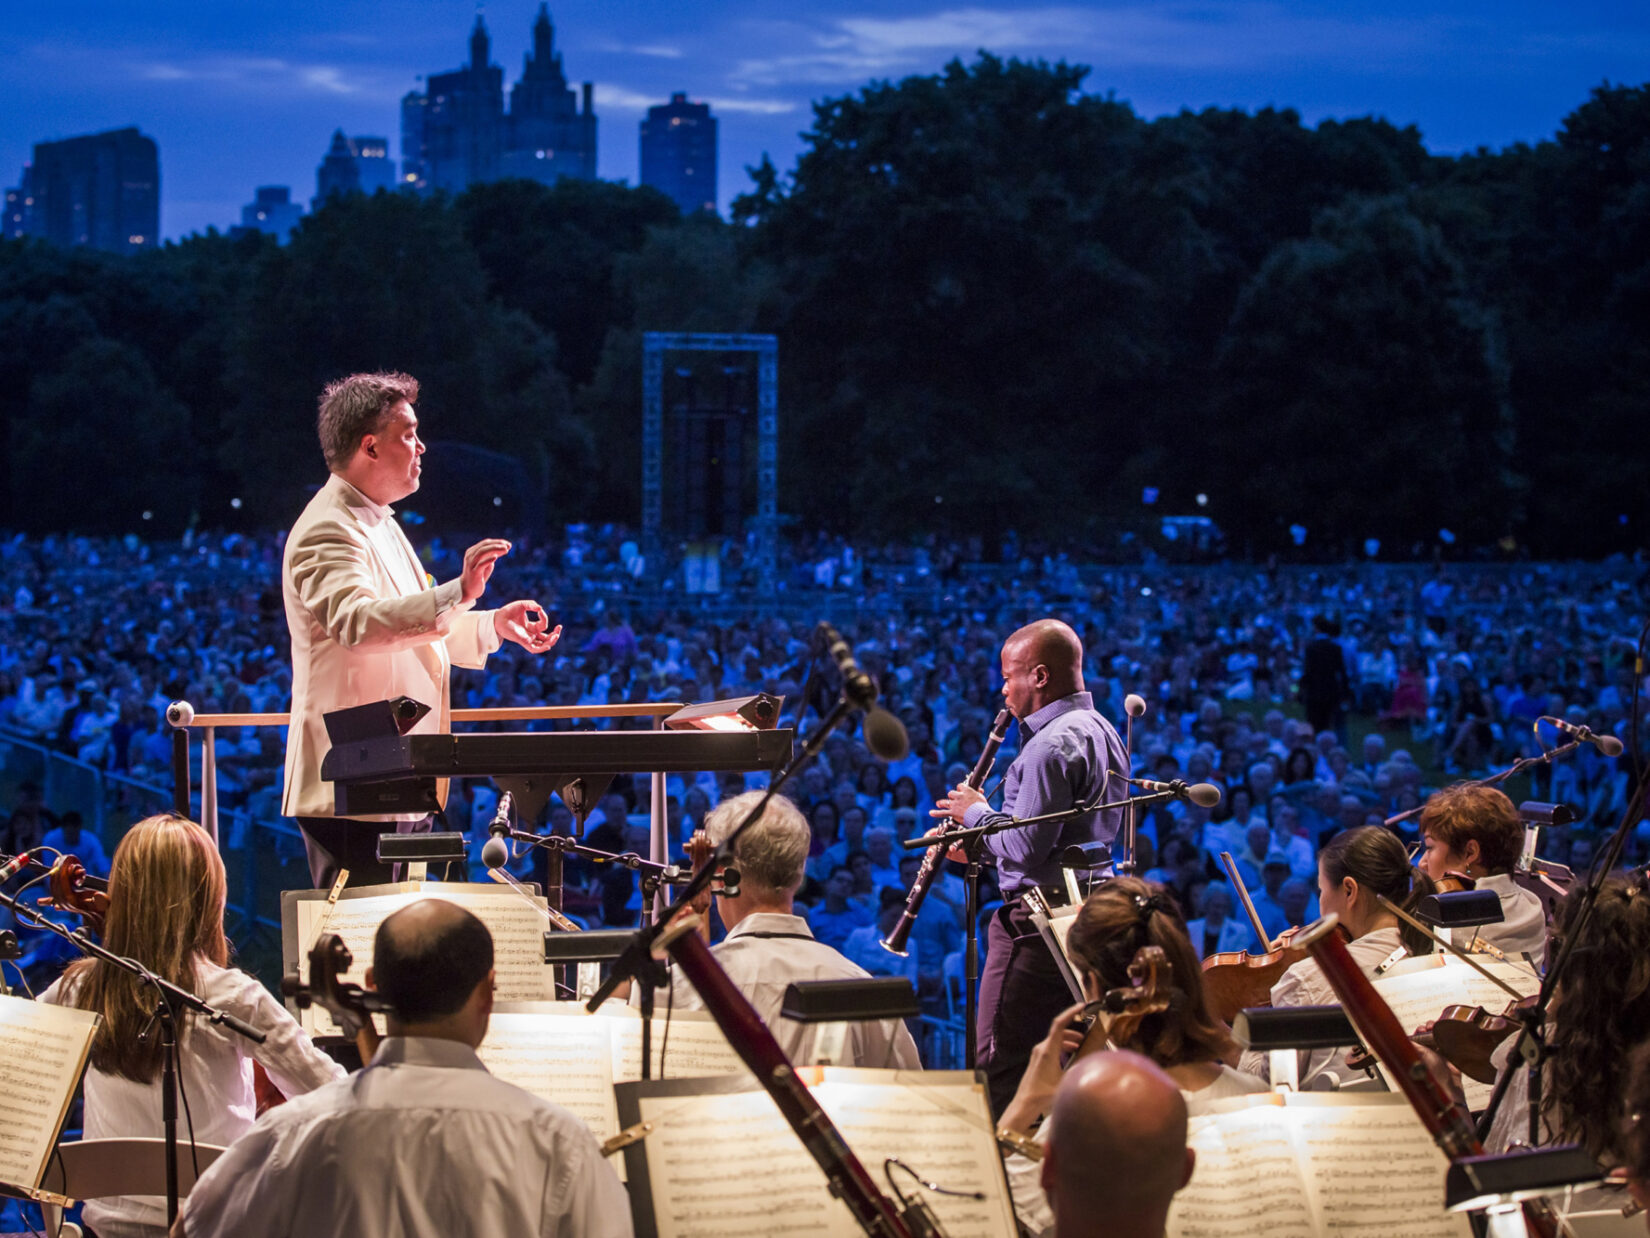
<point>442,848</point>
<point>596,946</point>
<point>850,1001</point>
<point>1266,1028</point>
<point>1460,909</point>
<point>739,713</point>
<point>1478,1182</point>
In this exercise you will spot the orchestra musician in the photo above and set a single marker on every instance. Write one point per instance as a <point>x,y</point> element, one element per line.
<point>769,947</point>
<point>1636,1129</point>
<point>1475,831</point>
<point>1118,1152</point>
<point>1600,1013</point>
<point>367,624</point>
<point>1068,751</point>
<point>166,901</point>
<point>1185,1040</point>
<point>425,1142</point>
<point>1353,868</point>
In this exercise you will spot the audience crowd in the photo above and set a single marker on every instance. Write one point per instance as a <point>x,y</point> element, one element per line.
<point>1316,699</point>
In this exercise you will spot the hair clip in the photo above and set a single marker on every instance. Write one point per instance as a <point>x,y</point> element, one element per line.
<point>1146,904</point>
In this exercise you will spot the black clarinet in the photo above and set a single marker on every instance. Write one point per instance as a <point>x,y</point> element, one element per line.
<point>894,943</point>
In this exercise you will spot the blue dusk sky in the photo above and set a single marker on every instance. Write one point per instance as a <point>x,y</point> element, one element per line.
<point>239,95</point>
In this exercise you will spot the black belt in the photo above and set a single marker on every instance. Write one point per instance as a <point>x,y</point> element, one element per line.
<point>1054,895</point>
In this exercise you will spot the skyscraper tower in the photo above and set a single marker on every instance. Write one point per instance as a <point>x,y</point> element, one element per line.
<point>354,165</point>
<point>679,152</point>
<point>102,190</point>
<point>549,137</point>
<point>456,132</point>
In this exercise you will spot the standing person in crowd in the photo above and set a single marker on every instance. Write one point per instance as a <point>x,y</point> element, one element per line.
<point>1325,686</point>
<point>769,946</point>
<point>1068,754</point>
<point>425,1142</point>
<point>1353,869</point>
<point>1475,831</point>
<point>367,624</point>
<point>166,900</point>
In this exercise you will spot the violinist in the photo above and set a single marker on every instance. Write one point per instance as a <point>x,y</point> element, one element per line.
<point>1185,1039</point>
<point>1475,831</point>
<point>1599,1015</point>
<point>166,900</point>
<point>1636,1129</point>
<point>1353,869</point>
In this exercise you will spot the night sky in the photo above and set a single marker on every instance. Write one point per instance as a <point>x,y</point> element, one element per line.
<point>239,95</point>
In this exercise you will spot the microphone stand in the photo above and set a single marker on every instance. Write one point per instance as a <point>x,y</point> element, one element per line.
<point>171,1000</point>
<point>972,841</point>
<point>653,875</point>
<point>1547,757</point>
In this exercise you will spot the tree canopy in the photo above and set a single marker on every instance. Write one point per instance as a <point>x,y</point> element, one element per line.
<point>1003,300</point>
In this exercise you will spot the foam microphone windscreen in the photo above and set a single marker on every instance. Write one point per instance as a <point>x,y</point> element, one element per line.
<point>1203,794</point>
<point>885,735</point>
<point>1135,704</point>
<point>495,853</point>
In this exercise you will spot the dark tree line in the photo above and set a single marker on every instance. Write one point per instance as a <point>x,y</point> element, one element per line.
<point>1000,301</point>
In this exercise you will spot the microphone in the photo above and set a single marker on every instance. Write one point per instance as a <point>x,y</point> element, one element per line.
<point>884,734</point>
<point>16,864</point>
<point>496,851</point>
<point>1608,745</point>
<point>1085,855</point>
<point>1134,704</point>
<point>1203,794</point>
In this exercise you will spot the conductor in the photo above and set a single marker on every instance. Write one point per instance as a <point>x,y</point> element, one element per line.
<point>367,623</point>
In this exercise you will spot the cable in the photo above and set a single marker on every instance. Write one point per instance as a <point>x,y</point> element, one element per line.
<point>22,976</point>
<point>670,1009</point>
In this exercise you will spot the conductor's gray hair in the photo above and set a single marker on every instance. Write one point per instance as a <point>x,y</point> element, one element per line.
<point>772,854</point>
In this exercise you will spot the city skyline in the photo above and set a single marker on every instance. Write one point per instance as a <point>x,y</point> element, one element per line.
<point>241,99</point>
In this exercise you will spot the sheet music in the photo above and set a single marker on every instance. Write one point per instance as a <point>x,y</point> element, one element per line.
<point>1247,1181</point>
<point>518,939</point>
<point>1370,1168</point>
<point>701,1154</point>
<point>1419,996</point>
<point>696,1048</point>
<point>43,1049</point>
<point>560,1052</point>
<point>1318,1165</point>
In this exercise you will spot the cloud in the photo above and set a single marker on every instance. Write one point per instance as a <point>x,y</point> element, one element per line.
<point>659,51</point>
<point>621,99</point>
<point>269,75</point>
<point>1211,34</point>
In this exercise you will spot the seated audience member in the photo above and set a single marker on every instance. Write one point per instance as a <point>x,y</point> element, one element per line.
<point>1476,831</point>
<point>1353,869</point>
<point>1218,929</point>
<point>833,917</point>
<point>1117,1153</point>
<point>71,838</point>
<point>166,899</point>
<point>769,946</point>
<point>1268,900</point>
<point>864,945</point>
<point>423,1143</point>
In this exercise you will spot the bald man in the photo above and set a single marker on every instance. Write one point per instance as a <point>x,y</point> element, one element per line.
<point>1117,1149</point>
<point>423,1143</point>
<point>1067,752</point>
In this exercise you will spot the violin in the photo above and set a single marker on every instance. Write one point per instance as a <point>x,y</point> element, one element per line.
<point>350,1006</point>
<point>72,889</point>
<point>1235,980</point>
<point>1466,1036</point>
<point>1454,881</point>
<point>1146,994</point>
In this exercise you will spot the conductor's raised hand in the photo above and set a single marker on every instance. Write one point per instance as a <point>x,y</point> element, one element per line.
<point>478,565</point>
<point>526,623</point>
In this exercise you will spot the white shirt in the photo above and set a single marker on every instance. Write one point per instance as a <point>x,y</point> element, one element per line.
<point>1523,927</point>
<point>1304,984</point>
<point>215,1068</point>
<point>424,1143</point>
<point>763,955</point>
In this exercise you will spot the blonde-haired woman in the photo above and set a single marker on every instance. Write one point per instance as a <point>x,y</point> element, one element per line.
<point>166,898</point>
